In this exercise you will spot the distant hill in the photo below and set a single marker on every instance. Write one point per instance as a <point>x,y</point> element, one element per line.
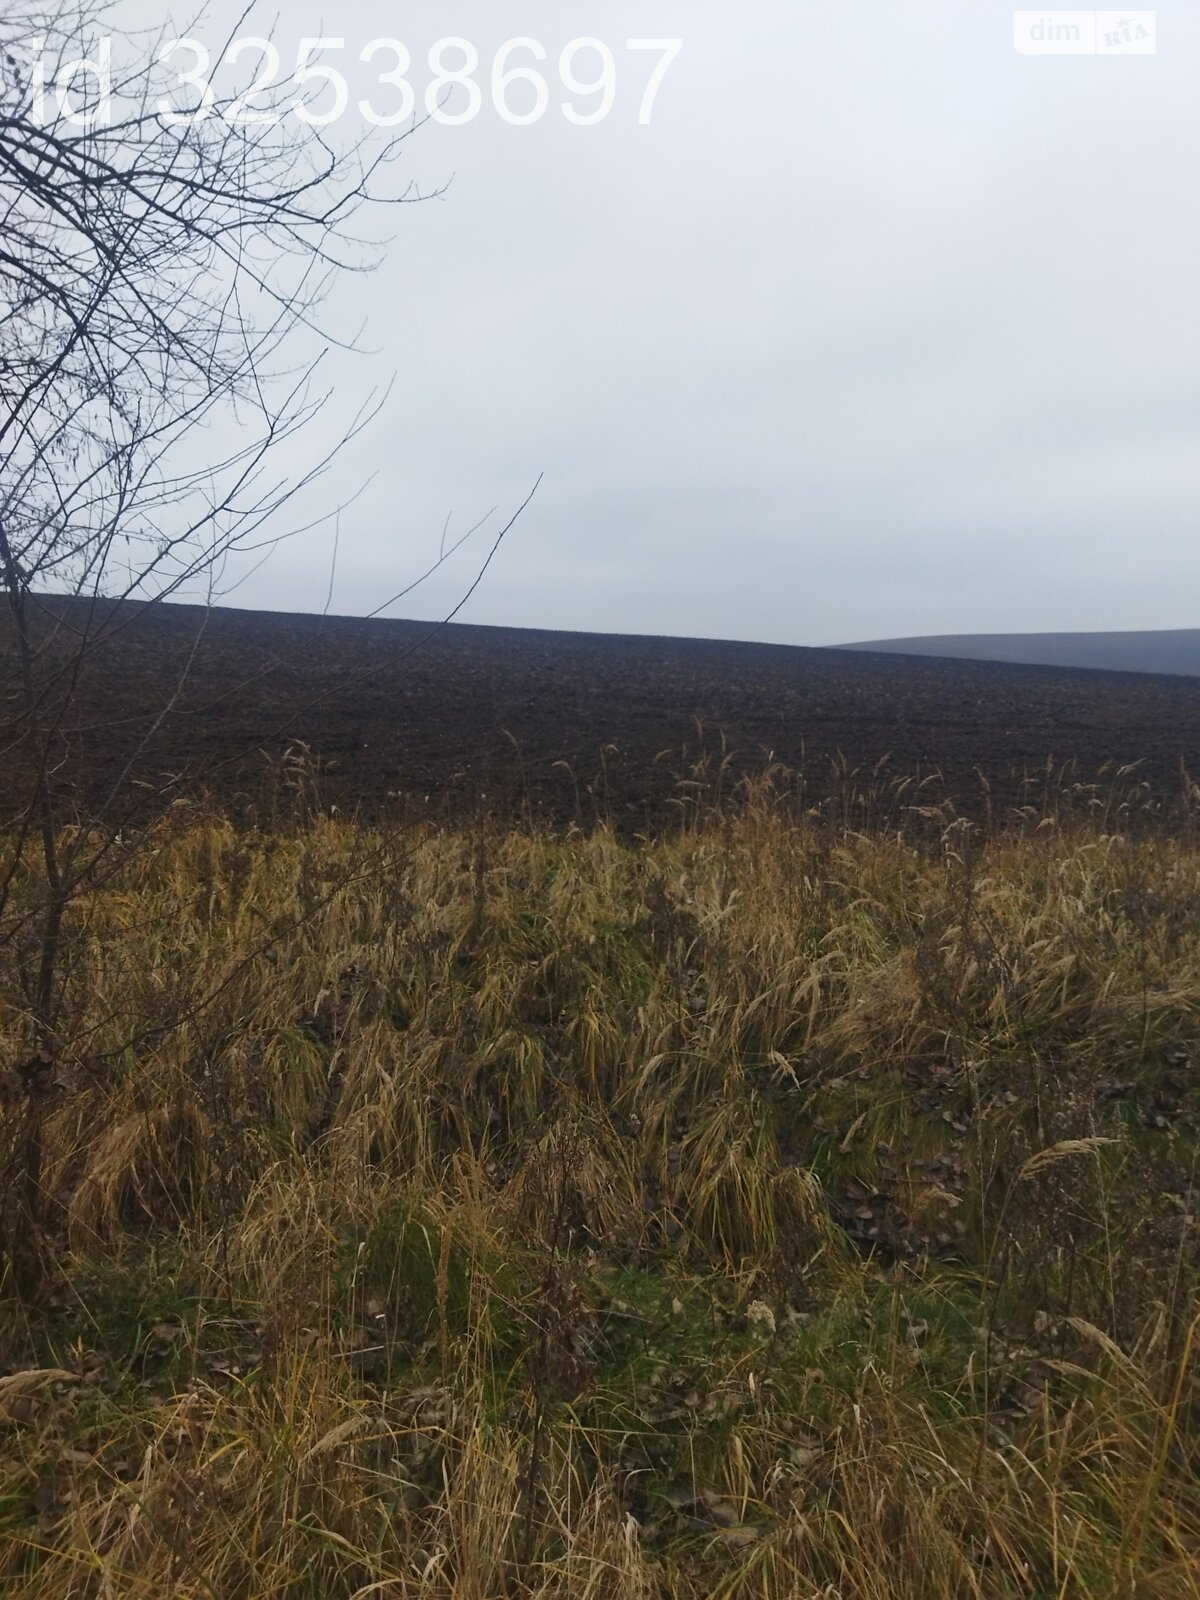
<point>1175,650</point>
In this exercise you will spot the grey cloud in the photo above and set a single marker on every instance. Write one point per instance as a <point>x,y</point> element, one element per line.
<point>879,329</point>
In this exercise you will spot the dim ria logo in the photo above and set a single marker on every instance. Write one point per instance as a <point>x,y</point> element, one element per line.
<point>1085,33</point>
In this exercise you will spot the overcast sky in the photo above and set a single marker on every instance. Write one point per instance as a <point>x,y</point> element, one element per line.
<point>879,328</point>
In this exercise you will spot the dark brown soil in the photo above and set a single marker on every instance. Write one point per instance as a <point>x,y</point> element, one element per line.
<point>565,725</point>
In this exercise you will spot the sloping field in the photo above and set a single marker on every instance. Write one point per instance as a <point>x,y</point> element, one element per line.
<point>797,1202</point>
<point>565,725</point>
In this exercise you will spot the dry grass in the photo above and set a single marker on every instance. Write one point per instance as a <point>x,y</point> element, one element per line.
<point>779,1208</point>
